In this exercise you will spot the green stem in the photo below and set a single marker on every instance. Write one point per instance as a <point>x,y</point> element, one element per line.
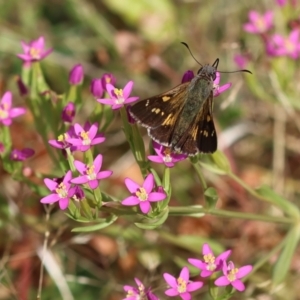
<point>185,211</point>
<point>200,175</point>
<point>246,187</point>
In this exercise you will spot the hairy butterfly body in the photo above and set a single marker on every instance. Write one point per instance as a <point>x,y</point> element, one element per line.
<point>181,118</point>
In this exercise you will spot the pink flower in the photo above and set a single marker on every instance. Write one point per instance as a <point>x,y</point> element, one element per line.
<point>281,46</point>
<point>187,76</point>
<point>86,136</point>
<point>79,193</point>
<point>6,112</point>
<point>164,156</point>
<point>118,97</point>
<point>61,191</point>
<point>62,140</point>
<point>90,173</point>
<point>139,293</point>
<point>210,263</point>
<point>233,275</point>
<point>96,87</point>
<point>108,78</point>
<point>218,90</point>
<point>241,60</point>
<point>142,195</point>
<point>76,75</point>
<point>181,286</point>
<point>259,23</point>
<point>34,50</point>
<point>68,112</point>
<point>21,155</point>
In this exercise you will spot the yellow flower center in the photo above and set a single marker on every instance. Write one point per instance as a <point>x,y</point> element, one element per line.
<point>61,190</point>
<point>260,24</point>
<point>210,260</point>
<point>231,276</point>
<point>119,94</point>
<point>142,194</point>
<point>167,155</point>
<point>35,53</point>
<point>181,285</point>
<point>130,293</point>
<point>3,113</point>
<point>289,46</point>
<point>91,172</point>
<point>85,137</point>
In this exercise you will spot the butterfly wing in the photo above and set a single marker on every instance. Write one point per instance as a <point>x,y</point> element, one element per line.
<point>160,113</point>
<point>201,134</point>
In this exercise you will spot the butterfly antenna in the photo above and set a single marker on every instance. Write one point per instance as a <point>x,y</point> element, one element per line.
<point>186,45</point>
<point>246,71</point>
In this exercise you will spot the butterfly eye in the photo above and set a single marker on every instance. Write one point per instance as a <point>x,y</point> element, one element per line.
<point>214,76</point>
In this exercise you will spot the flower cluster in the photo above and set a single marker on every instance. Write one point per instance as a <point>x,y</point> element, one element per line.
<point>275,44</point>
<point>183,286</point>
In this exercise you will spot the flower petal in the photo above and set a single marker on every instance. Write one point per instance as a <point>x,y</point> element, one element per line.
<point>130,201</point>
<point>63,203</point>
<point>222,281</point>
<point>154,197</point>
<point>239,285</point>
<point>206,249</point>
<point>194,286</point>
<point>253,15</point>
<point>98,163</point>
<point>50,199</point>
<point>104,174</point>
<point>223,256</point>
<point>131,185</point>
<point>93,130</point>
<point>185,296</point>
<point>93,184</point>
<point>80,180</point>
<point>98,140</point>
<point>156,159</point>
<point>17,111</point>
<point>6,100</point>
<point>80,167</point>
<point>197,263</point>
<point>171,280</point>
<point>50,184</point>
<point>171,292</point>
<point>145,206</point>
<point>149,183</point>
<point>185,274</point>
<point>243,271</point>
<point>127,89</point>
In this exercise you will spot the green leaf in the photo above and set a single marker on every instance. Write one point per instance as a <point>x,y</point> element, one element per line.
<point>211,197</point>
<point>212,168</point>
<point>289,208</point>
<point>152,223</point>
<point>283,263</point>
<point>108,221</point>
<point>221,161</point>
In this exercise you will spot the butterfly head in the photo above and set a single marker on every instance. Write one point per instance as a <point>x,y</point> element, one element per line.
<point>209,70</point>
